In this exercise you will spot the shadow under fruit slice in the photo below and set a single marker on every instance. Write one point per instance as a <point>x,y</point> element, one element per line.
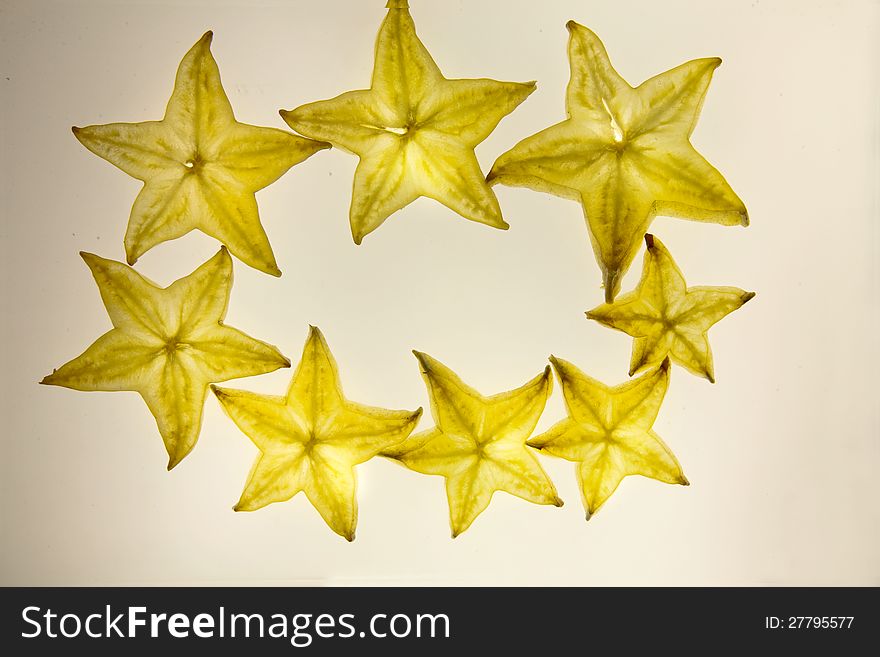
<point>479,443</point>
<point>167,344</point>
<point>413,130</point>
<point>311,439</point>
<point>668,318</point>
<point>625,154</point>
<point>200,167</point>
<point>608,432</point>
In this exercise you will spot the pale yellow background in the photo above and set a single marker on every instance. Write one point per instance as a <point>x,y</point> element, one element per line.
<point>783,452</point>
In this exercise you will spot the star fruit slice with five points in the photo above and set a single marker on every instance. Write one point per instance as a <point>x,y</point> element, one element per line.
<point>200,167</point>
<point>311,438</point>
<point>608,432</point>
<point>413,130</point>
<point>666,317</point>
<point>479,443</point>
<point>167,344</point>
<point>625,154</point>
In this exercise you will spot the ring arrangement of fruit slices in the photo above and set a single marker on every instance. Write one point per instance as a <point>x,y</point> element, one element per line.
<point>624,153</point>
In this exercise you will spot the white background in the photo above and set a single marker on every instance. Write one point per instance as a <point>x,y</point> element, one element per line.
<point>782,452</point>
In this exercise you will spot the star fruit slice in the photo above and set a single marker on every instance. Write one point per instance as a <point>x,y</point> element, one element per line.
<point>200,167</point>
<point>625,154</point>
<point>479,443</point>
<point>608,432</point>
<point>413,130</point>
<point>311,439</point>
<point>668,318</point>
<point>167,344</point>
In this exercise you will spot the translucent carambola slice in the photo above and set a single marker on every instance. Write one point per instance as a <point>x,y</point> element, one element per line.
<point>478,444</point>
<point>200,167</point>
<point>311,439</point>
<point>167,344</point>
<point>608,432</point>
<point>413,130</point>
<point>625,154</point>
<point>668,318</point>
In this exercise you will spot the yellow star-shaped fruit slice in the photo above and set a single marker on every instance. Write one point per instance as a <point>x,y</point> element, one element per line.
<point>200,167</point>
<point>311,439</point>
<point>668,318</point>
<point>625,154</point>
<point>413,130</point>
<point>478,444</point>
<point>167,344</point>
<point>608,432</point>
